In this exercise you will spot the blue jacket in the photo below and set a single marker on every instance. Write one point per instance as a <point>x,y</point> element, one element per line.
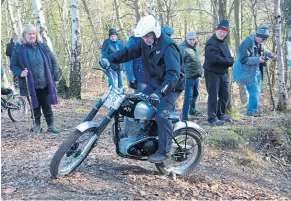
<point>38,72</point>
<point>111,47</point>
<point>161,63</point>
<point>247,62</point>
<point>217,56</point>
<point>133,68</point>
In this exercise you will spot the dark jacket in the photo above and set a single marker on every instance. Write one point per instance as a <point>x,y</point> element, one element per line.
<point>217,56</point>
<point>111,47</point>
<point>191,60</point>
<point>161,64</point>
<point>17,66</point>
<point>133,68</point>
<point>9,48</point>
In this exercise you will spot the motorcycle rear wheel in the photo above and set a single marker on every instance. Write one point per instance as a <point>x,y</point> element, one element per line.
<point>182,163</point>
<point>72,152</point>
<point>17,109</point>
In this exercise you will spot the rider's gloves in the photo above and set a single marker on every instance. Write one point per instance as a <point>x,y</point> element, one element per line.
<point>133,84</point>
<point>104,63</point>
<point>154,99</point>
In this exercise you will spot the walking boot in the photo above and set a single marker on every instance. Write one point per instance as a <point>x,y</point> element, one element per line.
<point>50,124</point>
<point>157,158</point>
<point>37,129</point>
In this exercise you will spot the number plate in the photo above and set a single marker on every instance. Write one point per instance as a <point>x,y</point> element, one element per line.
<point>114,99</point>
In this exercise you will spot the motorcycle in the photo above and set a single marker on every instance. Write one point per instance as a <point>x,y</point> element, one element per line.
<point>134,133</point>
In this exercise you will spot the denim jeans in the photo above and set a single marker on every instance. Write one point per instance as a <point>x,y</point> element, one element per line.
<point>254,91</point>
<point>190,97</point>
<point>117,79</point>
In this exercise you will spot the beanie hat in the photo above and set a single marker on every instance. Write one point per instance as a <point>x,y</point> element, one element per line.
<point>191,34</point>
<point>263,31</point>
<point>223,25</point>
<point>168,30</point>
<point>112,32</point>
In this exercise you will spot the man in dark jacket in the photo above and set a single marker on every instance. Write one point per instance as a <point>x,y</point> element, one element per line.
<point>193,72</point>
<point>111,46</point>
<point>217,61</point>
<point>162,69</point>
<point>9,49</point>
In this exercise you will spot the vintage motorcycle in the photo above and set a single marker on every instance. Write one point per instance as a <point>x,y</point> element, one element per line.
<point>134,133</point>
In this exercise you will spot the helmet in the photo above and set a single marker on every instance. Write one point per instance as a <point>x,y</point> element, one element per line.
<point>146,25</point>
<point>168,30</point>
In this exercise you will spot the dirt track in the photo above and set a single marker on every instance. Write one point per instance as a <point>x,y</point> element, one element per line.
<point>105,176</point>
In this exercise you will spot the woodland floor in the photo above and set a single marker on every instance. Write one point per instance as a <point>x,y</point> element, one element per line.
<point>243,173</point>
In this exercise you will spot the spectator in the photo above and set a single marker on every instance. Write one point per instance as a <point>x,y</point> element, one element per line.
<point>193,72</point>
<point>9,49</point>
<point>217,61</point>
<point>133,68</point>
<point>163,74</point>
<point>34,62</point>
<point>110,46</point>
<point>169,31</point>
<point>247,66</point>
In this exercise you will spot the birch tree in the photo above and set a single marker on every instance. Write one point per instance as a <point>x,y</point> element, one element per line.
<point>18,15</point>
<point>75,72</point>
<point>40,22</point>
<point>136,4</point>
<point>287,14</point>
<point>120,23</point>
<point>283,95</point>
<point>12,18</point>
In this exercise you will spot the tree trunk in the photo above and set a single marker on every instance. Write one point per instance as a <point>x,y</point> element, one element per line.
<point>136,4</point>
<point>18,12</point>
<point>152,9</point>
<point>11,13</point>
<point>283,95</point>
<point>117,11</point>
<point>287,13</point>
<point>75,73</point>
<point>162,12</point>
<point>40,22</point>
<point>237,37</point>
<point>215,14</point>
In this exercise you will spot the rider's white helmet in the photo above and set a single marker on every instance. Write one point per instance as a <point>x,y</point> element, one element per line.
<point>146,25</point>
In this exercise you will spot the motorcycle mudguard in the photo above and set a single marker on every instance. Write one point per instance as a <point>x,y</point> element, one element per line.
<point>190,125</point>
<point>87,125</point>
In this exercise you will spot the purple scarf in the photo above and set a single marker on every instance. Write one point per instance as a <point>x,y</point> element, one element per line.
<point>47,66</point>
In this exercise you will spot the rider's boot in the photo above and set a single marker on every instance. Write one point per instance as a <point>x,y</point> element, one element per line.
<point>50,124</point>
<point>164,150</point>
<point>37,128</point>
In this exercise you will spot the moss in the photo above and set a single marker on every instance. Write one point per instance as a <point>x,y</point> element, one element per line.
<point>225,140</point>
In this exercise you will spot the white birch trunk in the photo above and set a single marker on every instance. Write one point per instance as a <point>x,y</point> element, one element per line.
<point>283,95</point>
<point>117,10</point>
<point>12,19</point>
<point>75,73</point>
<point>18,17</point>
<point>40,22</point>
<point>152,9</point>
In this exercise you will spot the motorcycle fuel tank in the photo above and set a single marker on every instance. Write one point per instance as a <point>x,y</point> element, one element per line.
<point>144,111</point>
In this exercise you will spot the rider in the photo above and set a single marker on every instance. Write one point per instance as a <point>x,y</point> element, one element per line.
<point>163,74</point>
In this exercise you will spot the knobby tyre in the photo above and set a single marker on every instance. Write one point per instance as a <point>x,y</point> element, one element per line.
<point>183,162</point>
<point>17,109</point>
<point>72,152</point>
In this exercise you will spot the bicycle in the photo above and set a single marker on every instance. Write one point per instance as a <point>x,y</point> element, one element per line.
<point>17,108</point>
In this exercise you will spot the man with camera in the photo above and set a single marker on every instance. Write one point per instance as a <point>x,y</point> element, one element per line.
<point>248,67</point>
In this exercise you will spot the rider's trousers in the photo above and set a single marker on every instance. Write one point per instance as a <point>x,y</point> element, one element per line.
<point>165,126</point>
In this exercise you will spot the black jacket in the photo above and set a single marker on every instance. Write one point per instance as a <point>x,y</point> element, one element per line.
<point>161,63</point>
<point>9,48</point>
<point>217,56</point>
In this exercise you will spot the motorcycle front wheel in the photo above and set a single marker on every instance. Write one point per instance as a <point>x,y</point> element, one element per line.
<point>72,152</point>
<point>17,109</point>
<point>185,157</point>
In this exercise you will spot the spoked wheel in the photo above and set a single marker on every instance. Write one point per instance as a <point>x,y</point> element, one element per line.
<point>17,109</point>
<point>72,152</point>
<point>185,157</point>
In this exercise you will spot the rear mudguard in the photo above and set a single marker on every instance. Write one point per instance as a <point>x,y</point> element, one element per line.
<point>87,125</point>
<point>190,125</point>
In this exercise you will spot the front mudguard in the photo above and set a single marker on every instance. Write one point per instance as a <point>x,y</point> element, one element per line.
<point>87,125</point>
<point>190,125</point>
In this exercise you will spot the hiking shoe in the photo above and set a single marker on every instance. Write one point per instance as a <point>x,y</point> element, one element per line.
<point>216,122</point>
<point>157,158</point>
<point>36,129</point>
<point>225,118</point>
<point>52,129</point>
<point>194,112</point>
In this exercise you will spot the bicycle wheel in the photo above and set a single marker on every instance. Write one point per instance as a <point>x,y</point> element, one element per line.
<point>17,109</point>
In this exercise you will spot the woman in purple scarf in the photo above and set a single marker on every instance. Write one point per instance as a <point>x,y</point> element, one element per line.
<point>34,60</point>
